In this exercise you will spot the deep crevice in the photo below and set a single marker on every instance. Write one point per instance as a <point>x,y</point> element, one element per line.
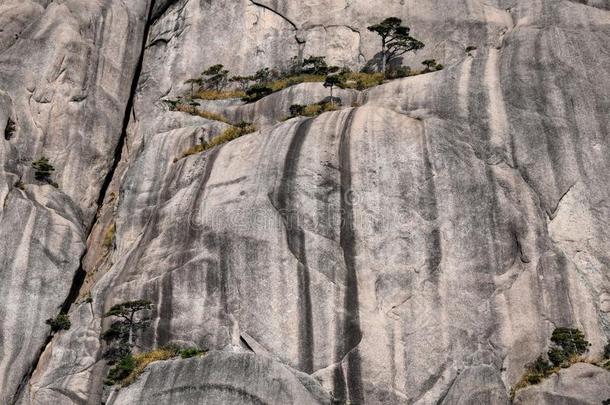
<point>80,274</point>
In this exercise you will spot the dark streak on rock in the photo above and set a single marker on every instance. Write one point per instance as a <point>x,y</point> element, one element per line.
<point>350,385</point>
<point>428,199</point>
<point>295,238</point>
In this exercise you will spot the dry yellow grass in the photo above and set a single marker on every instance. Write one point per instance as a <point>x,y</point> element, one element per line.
<point>227,136</point>
<point>219,95</point>
<point>144,359</point>
<point>109,236</point>
<point>189,109</point>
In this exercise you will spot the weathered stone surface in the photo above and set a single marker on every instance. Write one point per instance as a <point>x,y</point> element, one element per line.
<point>420,248</point>
<point>221,378</point>
<point>65,74</point>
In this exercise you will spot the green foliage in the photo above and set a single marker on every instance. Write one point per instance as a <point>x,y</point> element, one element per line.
<point>215,77</point>
<point>334,80</point>
<point>128,309</point>
<point>311,110</point>
<point>43,170</point>
<point>242,81</point>
<point>262,77</point>
<point>172,104</point>
<point>121,334</point>
<point>569,343</point>
<point>256,92</point>
<point>296,110</point>
<point>431,65</point>
<point>398,72</point>
<point>396,40</point>
<point>190,352</point>
<point>60,322</point>
<point>123,368</point>
<point>315,65</point>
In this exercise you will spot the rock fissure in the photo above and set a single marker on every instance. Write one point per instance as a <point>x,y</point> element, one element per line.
<point>80,274</point>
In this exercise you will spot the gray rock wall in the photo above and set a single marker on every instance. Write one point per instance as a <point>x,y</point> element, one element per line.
<point>419,248</point>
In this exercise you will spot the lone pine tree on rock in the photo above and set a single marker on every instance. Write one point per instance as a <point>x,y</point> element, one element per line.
<point>122,331</point>
<point>396,40</point>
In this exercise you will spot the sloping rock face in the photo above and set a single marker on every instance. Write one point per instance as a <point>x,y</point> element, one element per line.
<point>418,247</point>
<point>66,69</point>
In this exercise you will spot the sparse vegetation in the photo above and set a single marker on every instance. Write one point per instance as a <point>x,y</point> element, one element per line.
<point>20,185</point>
<point>334,81</point>
<point>60,322</point>
<point>470,49</point>
<point>396,40</point>
<point>256,92</point>
<point>431,66</point>
<point>228,135</point>
<point>43,170</point>
<point>191,352</point>
<point>190,109</point>
<point>567,346</point>
<point>215,77</point>
<point>311,110</point>
<point>109,236</point>
<point>128,369</point>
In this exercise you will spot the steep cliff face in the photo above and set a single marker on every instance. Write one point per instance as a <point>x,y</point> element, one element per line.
<point>418,247</point>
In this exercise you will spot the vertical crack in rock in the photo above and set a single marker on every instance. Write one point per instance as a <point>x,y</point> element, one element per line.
<point>295,238</point>
<point>300,42</point>
<point>80,274</point>
<point>348,386</point>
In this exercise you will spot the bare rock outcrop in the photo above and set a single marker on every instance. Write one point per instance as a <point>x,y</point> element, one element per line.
<point>419,245</point>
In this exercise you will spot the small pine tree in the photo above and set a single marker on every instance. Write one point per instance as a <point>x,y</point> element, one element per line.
<point>315,65</point>
<point>216,77</point>
<point>334,81</point>
<point>43,170</point>
<point>121,334</point>
<point>256,92</point>
<point>242,81</point>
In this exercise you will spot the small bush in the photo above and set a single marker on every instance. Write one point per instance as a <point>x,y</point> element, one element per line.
<point>43,170</point>
<point>469,49</point>
<point>431,66</point>
<point>129,368</point>
<point>296,110</point>
<point>567,346</point>
<point>19,184</point>
<point>191,352</point>
<point>227,136</point>
<point>256,93</point>
<point>60,322</point>
<point>123,369</point>
<point>570,343</point>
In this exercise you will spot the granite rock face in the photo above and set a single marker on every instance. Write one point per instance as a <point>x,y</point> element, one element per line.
<point>419,245</point>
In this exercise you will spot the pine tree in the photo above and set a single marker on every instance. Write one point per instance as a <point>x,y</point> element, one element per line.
<point>396,40</point>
